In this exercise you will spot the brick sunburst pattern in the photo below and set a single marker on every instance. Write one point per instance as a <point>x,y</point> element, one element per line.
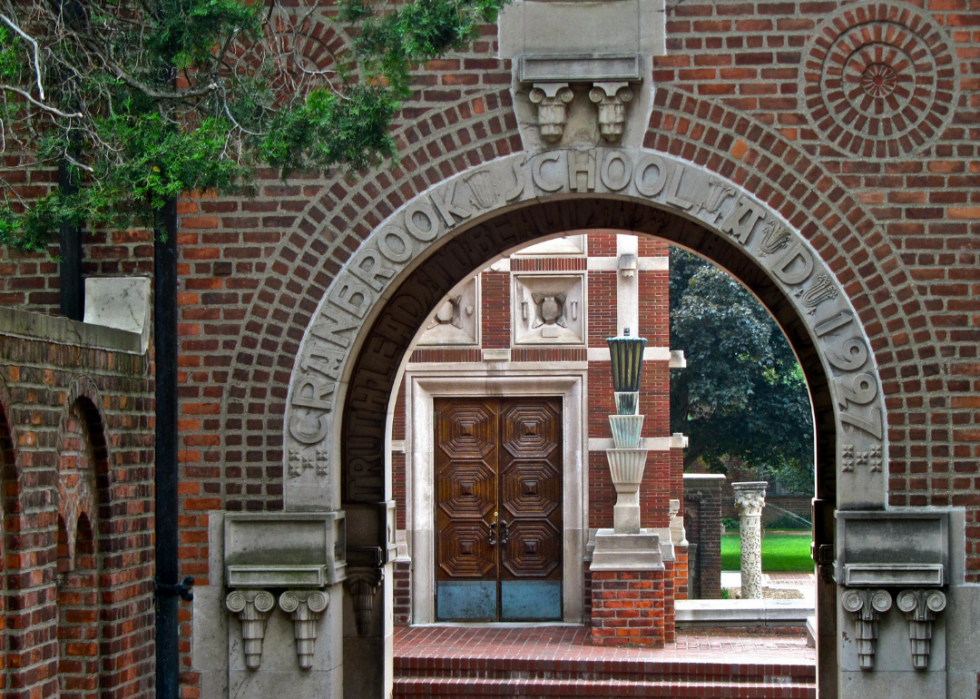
<point>880,81</point>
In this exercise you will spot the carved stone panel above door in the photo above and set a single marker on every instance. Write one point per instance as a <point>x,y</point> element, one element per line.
<point>457,320</point>
<point>549,309</point>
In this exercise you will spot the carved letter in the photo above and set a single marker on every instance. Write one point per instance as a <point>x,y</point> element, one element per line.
<point>520,180</point>
<point>310,392</point>
<point>304,437</point>
<point>654,188</point>
<point>446,207</point>
<point>420,220</point>
<point>581,164</point>
<point>741,220</point>
<point>675,184</point>
<point>351,296</point>
<point>617,179</point>
<point>781,268</point>
<point>537,172</point>
<point>372,268</point>
<point>401,250</point>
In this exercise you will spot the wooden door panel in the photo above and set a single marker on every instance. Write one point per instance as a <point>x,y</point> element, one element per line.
<point>466,488</point>
<point>530,478</point>
<point>498,457</point>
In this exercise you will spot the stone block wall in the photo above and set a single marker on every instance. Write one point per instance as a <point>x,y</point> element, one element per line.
<point>76,462</point>
<point>702,521</point>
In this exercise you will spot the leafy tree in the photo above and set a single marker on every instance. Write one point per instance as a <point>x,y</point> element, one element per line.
<point>142,100</point>
<point>743,393</point>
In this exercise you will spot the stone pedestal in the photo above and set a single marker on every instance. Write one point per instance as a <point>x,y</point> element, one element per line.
<point>750,498</point>
<point>628,584</point>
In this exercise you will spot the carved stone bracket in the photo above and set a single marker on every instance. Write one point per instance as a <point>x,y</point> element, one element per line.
<point>611,98</point>
<point>921,607</point>
<point>867,606</point>
<point>363,584</point>
<point>552,100</point>
<point>305,608</point>
<point>252,608</point>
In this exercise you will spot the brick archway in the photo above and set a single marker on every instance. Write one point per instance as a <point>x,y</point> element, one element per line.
<point>351,356</point>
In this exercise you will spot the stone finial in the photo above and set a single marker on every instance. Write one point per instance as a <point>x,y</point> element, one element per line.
<point>305,608</point>
<point>252,608</point>
<point>611,98</point>
<point>867,606</point>
<point>921,607</point>
<point>552,100</point>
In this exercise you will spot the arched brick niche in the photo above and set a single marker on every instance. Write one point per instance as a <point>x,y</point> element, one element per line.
<point>83,467</point>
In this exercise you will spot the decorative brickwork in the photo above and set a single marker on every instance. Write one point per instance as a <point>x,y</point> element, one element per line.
<point>76,456</point>
<point>628,609</point>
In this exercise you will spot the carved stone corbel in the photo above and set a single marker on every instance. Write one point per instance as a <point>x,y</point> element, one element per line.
<point>552,100</point>
<point>611,98</point>
<point>252,608</point>
<point>305,608</point>
<point>363,583</point>
<point>921,607</point>
<point>867,606</point>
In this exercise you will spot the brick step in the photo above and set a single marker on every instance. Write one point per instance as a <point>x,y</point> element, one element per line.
<point>603,670</point>
<point>462,688</point>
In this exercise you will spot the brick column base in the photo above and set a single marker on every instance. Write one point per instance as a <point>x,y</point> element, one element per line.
<point>628,608</point>
<point>403,593</point>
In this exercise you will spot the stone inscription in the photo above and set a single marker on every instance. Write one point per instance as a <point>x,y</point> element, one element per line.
<point>368,278</point>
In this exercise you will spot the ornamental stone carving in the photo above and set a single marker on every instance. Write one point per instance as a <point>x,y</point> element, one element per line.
<point>305,608</point>
<point>750,498</point>
<point>921,607</point>
<point>252,608</point>
<point>867,606</point>
<point>611,99</point>
<point>552,100</point>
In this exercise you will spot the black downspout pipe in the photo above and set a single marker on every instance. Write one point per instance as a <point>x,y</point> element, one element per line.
<point>167,587</point>
<point>71,284</point>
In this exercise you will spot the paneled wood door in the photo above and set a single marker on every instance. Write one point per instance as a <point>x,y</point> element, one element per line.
<point>498,465</point>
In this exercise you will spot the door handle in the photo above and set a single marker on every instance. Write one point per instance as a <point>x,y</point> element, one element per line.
<point>504,534</point>
<point>493,533</point>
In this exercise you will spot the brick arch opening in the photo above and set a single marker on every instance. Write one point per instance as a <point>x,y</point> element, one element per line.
<point>354,347</point>
<point>82,505</point>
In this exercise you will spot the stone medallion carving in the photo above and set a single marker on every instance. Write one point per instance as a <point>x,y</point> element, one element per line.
<point>879,80</point>
<point>369,316</point>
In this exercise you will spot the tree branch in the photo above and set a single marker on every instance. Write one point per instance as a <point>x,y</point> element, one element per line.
<point>37,51</point>
<point>46,107</point>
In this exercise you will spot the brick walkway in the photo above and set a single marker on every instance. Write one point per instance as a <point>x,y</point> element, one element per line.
<point>572,643</point>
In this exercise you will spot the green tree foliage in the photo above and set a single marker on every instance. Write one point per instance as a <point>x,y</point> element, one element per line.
<point>142,100</point>
<point>743,393</point>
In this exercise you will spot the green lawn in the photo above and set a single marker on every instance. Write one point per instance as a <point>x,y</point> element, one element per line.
<point>780,552</point>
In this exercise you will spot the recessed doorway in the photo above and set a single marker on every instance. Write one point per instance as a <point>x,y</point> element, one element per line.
<point>498,497</point>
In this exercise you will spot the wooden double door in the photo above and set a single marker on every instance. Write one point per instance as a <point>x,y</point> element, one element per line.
<point>498,491</point>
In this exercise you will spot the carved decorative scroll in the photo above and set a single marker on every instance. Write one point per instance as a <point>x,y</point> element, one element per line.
<point>867,606</point>
<point>252,609</point>
<point>921,607</point>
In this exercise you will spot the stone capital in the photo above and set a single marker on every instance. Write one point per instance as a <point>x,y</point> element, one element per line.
<point>750,497</point>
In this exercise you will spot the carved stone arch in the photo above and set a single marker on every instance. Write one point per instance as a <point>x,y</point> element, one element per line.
<point>315,243</point>
<point>350,358</point>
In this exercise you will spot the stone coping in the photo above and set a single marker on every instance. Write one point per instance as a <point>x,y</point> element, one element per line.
<point>15,322</point>
<point>743,612</point>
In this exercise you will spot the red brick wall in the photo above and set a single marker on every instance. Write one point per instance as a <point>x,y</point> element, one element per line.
<point>629,609</point>
<point>76,454</point>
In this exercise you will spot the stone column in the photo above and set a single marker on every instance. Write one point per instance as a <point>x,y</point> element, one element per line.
<point>750,498</point>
